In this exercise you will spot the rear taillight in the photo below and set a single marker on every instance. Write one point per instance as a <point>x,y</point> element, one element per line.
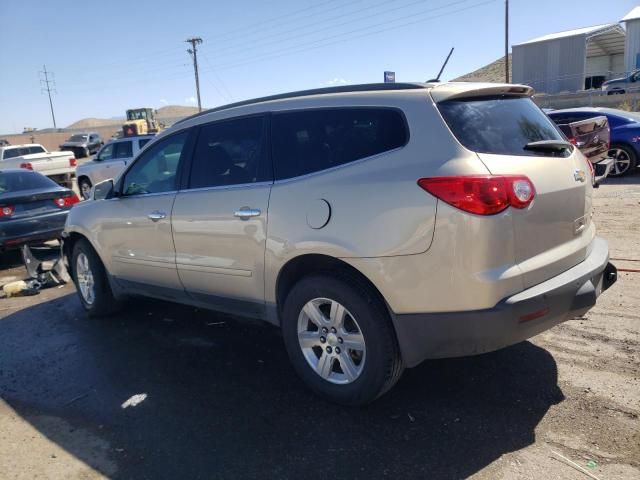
<point>67,201</point>
<point>73,162</point>
<point>591,170</point>
<point>481,194</point>
<point>573,141</point>
<point>26,165</point>
<point>6,211</point>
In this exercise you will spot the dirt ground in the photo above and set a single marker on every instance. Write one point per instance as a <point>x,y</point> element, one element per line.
<point>217,398</point>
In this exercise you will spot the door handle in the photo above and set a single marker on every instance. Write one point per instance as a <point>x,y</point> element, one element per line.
<point>156,215</point>
<point>245,213</point>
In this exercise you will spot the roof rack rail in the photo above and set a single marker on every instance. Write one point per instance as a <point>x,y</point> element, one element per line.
<point>365,87</point>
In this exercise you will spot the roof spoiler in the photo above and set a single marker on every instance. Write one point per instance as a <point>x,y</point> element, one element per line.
<point>452,91</point>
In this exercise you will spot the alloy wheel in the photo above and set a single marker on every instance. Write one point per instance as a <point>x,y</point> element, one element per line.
<point>331,340</point>
<point>84,276</point>
<point>621,161</point>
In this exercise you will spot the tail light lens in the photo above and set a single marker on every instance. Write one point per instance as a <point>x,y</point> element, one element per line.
<point>6,211</point>
<point>67,201</point>
<point>591,170</point>
<point>26,165</point>
<point>573,141</point>
<point>482,194</point>
<point>73,162</point>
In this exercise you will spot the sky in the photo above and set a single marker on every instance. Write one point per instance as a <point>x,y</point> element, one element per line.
<point>107,57</point>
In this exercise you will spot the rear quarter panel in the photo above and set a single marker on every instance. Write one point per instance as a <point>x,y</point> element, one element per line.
<point>376,207</point>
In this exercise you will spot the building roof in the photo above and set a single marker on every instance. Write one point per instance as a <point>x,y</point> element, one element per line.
<point>587,31</point>
<point>632,15</point>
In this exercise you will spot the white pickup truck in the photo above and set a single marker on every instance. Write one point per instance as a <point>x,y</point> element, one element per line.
<point>59,166</point>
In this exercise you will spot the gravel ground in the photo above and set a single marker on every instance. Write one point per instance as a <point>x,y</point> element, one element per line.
<point>222,402</point>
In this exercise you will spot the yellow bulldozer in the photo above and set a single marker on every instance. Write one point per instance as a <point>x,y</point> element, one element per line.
<point>140,121</point>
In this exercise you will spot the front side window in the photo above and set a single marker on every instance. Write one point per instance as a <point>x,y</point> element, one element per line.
<point>155,171</point>
<point>228,153</point>
<point>106,153</point>
<point>142,142</point>
<point>314,140</point>
<point>123,150</point>
<point>500,125</point>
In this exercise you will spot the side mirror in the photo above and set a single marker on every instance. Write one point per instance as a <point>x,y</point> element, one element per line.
<point>103,190</point>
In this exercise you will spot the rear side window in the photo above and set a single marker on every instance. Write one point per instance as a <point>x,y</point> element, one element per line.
<point>123,150</point>
<point>310,141</point>
<point>142,142</point>
<point>11,153</point>
<point>18,181</point>
<point>503,126</point>
<point>228,153</point>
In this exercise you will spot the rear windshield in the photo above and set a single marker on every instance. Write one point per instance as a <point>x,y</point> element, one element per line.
<point>498,125</point>
<point>77,138</point>
<point>17,181</point>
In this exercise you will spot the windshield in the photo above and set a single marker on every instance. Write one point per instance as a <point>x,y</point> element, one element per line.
<point>137,115</point>
<point>78,138</point>
<point>17,181</point>
<point>499,125</point>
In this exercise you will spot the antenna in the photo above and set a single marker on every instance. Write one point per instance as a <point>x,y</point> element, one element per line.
<point>437,79</point>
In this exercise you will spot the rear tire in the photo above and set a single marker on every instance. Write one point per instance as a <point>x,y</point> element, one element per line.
<point>92,284</point>
<point>356,358</point>
<point>624,158</point>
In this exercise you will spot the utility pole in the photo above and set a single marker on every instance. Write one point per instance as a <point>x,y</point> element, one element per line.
<point>47,87</point>
<point>194,52</point>
<point>506,40</point>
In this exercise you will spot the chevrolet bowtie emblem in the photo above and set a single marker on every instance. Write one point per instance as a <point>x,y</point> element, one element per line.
<point>579,175</point>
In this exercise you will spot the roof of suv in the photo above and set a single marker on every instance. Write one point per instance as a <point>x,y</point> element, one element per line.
<point>439,91</point>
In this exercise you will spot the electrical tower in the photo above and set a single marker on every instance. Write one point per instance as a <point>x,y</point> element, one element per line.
<point>195,41</point>
<point>46,86</point>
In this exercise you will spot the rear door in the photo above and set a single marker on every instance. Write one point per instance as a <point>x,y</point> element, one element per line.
<point>555,231</point>
<point>220,219</point>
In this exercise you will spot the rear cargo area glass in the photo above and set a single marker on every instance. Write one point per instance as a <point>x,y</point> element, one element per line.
<point>499,125</point>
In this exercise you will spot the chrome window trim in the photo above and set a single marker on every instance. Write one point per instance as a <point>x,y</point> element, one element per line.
<point>228,187</point>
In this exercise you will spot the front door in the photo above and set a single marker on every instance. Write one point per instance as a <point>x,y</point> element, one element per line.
<point>220,219</point>
<point>136,231</point>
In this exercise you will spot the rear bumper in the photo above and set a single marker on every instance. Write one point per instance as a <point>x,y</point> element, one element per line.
<point>15,233</point>
<point>512,320</point>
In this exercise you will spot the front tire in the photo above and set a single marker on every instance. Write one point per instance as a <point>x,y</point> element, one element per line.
<point>92,284</point>
<point>340,340</point>
<point>624,160</point>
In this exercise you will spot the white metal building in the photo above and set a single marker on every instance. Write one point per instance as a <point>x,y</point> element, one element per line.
<point>632,45</point>
<point>571,60</point>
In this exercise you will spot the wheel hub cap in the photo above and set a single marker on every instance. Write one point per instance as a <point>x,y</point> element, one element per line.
<point>84,277</point>
<point>331,340</point>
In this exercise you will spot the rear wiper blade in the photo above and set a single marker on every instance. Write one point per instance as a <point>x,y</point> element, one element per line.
<point>548,145</point>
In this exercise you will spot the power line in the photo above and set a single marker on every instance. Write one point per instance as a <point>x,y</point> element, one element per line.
<point>340,37</point>
<point>195,41</point>
<point>47,87</point>
<point>305,27</point>
<point>264,24</point>
<point>226,96</point>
